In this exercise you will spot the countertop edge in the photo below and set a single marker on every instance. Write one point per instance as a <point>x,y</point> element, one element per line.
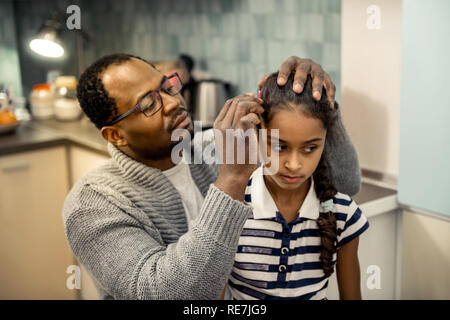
<point>60,141</point>
<point>379,206</point>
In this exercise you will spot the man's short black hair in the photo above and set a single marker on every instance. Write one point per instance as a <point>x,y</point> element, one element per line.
<point>94,100</point>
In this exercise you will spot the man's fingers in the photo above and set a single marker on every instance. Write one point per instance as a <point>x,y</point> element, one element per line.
<point>230,115</point>
<point>249,97</point>
<point>301,74</point>
<point>249,121</point>
<point>318,76</point>
<point>227,112</point>
<point>246,107</point>
<point>224,110</point>
<point>331,90</point>
<point>286,68</point>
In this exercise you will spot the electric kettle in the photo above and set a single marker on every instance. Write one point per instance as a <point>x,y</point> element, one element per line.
<point>210,96</point>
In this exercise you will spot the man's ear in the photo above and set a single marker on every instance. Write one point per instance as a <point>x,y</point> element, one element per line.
<point>113,135</point>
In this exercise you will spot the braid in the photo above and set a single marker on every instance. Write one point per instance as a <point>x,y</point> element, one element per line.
<point>327,221</point>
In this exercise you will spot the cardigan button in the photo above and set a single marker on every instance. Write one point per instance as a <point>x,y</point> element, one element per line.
<point>282,268</point>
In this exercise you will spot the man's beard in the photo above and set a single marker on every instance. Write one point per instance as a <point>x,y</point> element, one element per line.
<point>163,151</point>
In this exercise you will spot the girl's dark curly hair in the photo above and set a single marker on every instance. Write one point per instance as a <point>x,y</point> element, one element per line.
<point>284,97</point>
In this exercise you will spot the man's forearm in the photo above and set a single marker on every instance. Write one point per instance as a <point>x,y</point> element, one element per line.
<point>231,185</point>
<point>130,261</point>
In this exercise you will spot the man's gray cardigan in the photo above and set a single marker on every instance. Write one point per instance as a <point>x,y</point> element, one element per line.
<point>125,222</point>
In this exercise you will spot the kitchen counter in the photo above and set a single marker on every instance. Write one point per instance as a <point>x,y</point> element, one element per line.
<point>27,138</point>
<point>372,199</point>
<point>82,133</point>
<point>375,200</point>
<point>48,133</point>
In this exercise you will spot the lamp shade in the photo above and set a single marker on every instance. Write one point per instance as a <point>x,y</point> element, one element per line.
<point>47,43</point>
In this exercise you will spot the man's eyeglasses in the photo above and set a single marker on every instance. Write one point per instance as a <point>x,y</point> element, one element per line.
<point>151,103</point>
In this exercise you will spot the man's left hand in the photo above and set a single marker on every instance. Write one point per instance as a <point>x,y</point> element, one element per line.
<point>303,68</point>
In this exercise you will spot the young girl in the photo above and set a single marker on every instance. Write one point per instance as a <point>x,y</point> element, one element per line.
<point>302,228</point>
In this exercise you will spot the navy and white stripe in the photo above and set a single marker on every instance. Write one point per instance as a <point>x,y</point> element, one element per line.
<point>280,260</point>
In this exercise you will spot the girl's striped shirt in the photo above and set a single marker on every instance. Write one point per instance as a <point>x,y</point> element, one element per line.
<point>280,260</point>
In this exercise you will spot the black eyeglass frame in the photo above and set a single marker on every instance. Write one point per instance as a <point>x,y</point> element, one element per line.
<point>138,106</point>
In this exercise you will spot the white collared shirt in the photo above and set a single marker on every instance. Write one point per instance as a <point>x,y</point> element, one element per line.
<point>181,178</point>
<point>280,260</point>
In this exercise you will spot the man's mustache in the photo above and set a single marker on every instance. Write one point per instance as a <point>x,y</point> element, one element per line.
<point>176,114</point>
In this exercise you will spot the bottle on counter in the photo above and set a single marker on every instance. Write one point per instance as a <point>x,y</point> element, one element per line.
<point>42,100</point>
<point>20,109</point>
<point>66,105</point>
<point>4,102</point>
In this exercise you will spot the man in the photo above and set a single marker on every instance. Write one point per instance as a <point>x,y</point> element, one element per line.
<point>144,227</point>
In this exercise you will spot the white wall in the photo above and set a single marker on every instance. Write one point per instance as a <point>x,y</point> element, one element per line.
<point>377,248</point>
<point>371,61</point>
<point>371,83</point>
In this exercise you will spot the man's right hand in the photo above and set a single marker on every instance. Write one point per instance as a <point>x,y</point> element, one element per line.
<point>238,114</point>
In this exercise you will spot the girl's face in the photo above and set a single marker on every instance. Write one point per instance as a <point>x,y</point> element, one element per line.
<point>300,146</point>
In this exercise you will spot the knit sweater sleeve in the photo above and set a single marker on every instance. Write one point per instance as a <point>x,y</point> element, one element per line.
<point>128,259</point>
<point>342,159</point>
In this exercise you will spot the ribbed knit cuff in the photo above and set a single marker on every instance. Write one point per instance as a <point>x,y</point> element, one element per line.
<point>222,217</point>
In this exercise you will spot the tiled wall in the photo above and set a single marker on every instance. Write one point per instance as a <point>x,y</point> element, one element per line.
<point>9,58</point>
<point>235,40</point>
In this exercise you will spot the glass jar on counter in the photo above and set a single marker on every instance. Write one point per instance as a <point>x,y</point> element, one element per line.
<point>41,100</point>
<point>66,105</point>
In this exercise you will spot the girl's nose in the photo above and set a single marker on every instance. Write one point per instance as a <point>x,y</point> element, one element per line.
<point>293,163</point>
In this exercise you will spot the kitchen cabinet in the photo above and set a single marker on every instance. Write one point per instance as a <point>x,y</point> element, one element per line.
<point>377,253</point>
<point>34,253</point>
<point>425,256</point>
<point>82,161</point>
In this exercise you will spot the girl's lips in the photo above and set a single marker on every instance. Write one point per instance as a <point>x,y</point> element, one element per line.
<point>289,179</point>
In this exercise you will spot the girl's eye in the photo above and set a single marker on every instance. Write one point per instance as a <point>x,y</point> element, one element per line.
<point>278,147</point>
<point>310,149</point>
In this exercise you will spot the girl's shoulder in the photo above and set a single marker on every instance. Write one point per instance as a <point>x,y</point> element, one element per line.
<point>342,197</point>
<point>344,203</point>
<point>350,220</point>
